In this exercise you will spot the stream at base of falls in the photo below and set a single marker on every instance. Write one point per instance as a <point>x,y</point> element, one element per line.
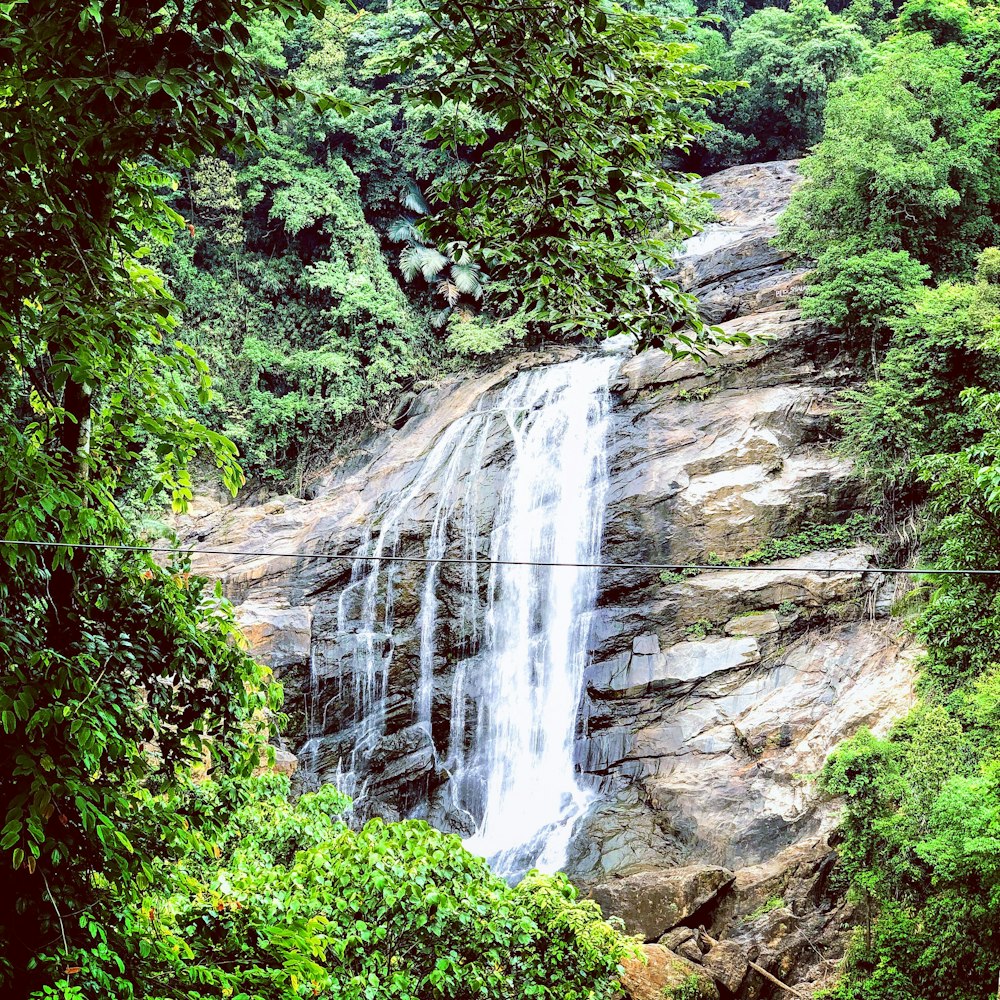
<point>516,689</point>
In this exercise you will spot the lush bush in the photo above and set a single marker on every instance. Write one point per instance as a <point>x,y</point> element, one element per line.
<point>811,538</point>
<point>788,60</point>
<point>863,293</point>
<point>290,902</point>
<point>908,162</point>
<point>289,293</point>
<point>919,404</point>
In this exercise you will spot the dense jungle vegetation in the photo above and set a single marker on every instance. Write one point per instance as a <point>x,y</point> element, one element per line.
<point>346,200</point>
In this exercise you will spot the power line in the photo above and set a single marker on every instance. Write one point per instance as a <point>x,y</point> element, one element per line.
<point>354,557</point>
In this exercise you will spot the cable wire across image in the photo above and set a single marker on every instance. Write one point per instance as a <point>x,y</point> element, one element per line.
<point>464,561</point>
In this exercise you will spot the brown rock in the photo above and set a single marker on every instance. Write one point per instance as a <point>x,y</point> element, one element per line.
<point>727,964</point>
<point>684,942</point>
<point>285,762</point>
<point>652,901</point>
<point>662,971</point>
<point>279,636</point>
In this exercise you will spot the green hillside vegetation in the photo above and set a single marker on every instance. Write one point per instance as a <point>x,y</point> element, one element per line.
<point>901,207</point>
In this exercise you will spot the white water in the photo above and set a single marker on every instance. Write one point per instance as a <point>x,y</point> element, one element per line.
<point>528,644</point>
<point>537,618</point>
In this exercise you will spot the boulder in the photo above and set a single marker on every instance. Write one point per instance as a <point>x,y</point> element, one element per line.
<point>727,965</point>
<point>754,623</point>
<point>683,941</point>
<point>683,663</point>
<point>661,971</point>
<point>652,901</point>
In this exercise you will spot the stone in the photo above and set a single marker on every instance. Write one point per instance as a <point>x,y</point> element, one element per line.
<point>661,972</point>
<point>279,636</point>
<point>285,762</point>
<point>683,941</point>
<point>652,901</point>
<point>646,645</point>
<point>727,964</point>
<point>755,623</point>
<point>683,663</point>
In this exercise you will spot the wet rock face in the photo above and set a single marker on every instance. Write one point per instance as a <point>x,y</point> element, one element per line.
<point>709,698</point>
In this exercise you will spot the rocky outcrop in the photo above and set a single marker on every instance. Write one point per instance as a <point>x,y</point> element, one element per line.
<point>711,698</point>
<point>653,901</point>
<point>659,973</point>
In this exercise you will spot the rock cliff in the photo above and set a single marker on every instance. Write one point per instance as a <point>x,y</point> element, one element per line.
<point>710,699</point>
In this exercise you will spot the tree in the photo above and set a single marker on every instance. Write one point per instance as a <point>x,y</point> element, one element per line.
<point>862,293</point>
<point>556,187</point>
<point>908,162</point>
<point>786,60</point>
<point>117,675</point>
<point>790,59</point>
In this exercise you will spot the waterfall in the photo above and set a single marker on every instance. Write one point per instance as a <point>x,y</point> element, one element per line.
<point>523,628</point>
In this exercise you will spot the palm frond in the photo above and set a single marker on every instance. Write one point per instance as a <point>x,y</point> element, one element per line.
<point>403,230</point>
<point>449,290</point>
<point>409,261</point>
<point>413,199</point>
<point>468,279</point>
<point>432,262</point>
<point>438,319</point>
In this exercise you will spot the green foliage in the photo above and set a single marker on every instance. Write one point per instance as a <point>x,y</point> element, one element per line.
<point>315,282</point>
<point>874,18</point>
<point>690,989</point>
<point>921,827</point>
<point>561,189</point>
<point>789,59</point>
<point>699,629</point>
<point>862,294</point>
<point>773,903</point>
<point>908,163</point>
<point>914,407</point>
<point>945,21</point>
<point>288,288</point>
<point>117,675</point>
<point>812,538</point>
<point>786,60</point>
<point>137,859</point>
<point>289,901</point>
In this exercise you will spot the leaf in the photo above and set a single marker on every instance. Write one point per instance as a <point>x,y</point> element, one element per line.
<point>431,262</point>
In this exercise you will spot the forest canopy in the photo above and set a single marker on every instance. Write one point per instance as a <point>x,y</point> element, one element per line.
<point>259,159</point>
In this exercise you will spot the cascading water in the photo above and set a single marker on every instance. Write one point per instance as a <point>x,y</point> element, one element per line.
<point>511,758</point>
<point>537,617</point>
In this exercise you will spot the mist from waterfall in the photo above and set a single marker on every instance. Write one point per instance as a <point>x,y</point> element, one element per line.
<point>515,697</point>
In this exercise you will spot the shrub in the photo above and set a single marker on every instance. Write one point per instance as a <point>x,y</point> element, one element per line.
<point>291,902</point>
